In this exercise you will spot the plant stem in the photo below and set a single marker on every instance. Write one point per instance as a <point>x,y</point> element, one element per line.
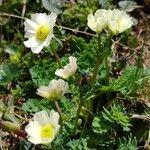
<point>57,59</point>
<point>79,108</point>
<point>98,62</point>
<point>107,69</point>
<point>95,71</point>
<point>59,111</point>
<point>96,68</point>
<point>82,131</point>
<point>106,58</point>
<point>78,114</point>
<point>66,28</point>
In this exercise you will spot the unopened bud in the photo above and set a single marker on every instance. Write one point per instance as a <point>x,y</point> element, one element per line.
<point>10,125</point>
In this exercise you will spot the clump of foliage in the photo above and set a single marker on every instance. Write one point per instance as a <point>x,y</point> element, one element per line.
<point>108,111</point>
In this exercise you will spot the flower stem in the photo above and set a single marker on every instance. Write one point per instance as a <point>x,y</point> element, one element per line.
<point>106,58</point>
<point>57,59</point>
<point>59,111</point>
<point>79,108</point>
<point>95,71</point>
<point>98,62</point>
<point>96,68</point>
<point>78,114</point>
<point>107,69</point>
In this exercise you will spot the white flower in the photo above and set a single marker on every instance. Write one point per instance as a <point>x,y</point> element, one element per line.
<point>43,128</point>
<point>115,20</point>
<point>39,30</point>
<point>98,21</point>
<point>68,70</point>
<point>118,21</point>
<point>55,89</point>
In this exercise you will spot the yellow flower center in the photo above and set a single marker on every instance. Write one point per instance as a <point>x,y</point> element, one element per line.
<point>47,131</point>
<point>42,32</point>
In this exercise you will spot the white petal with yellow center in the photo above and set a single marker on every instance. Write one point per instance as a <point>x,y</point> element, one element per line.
<point>47,131</point>
<point>43,128</point>
<point>42,32</point>
<point>39,31</point>
<point>55,90</point>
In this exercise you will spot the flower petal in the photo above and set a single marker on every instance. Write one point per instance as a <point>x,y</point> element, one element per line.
<point>47,141</point>
<point>48,39</point>
<point>33,129</point>
<point>42,117</point>
<point>61,73</point>
<point>43,91</point>
<point>29,34</point>
<point>32,42</point>
<point>119,21</point>
<point>39,18</point>
<point>91,22</point>
<point>30,25</point>
<point>42,120</point>
<point>43,18</point>
<point>35,140</point>
<point>63,86</point>
<point>54,118</point>
<point>68,70</point>
<point>37,49</point>
<point>52,83</point>
<point>52,18</point>
<point>73,63</point>
<point>57,127</point>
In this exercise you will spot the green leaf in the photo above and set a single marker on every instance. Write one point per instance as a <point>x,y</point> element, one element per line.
<point>8,72</point>
<point>106,3</point>
<point>117,114</point>
<point>129,143</point>
<point>35,105</point>
<point>130,81</point>
<point>127,5</point>
<point>80,144</point>
<point>43,72</point>
<point>53,5</point>
<point>100,125</point>
<point>85,52</point>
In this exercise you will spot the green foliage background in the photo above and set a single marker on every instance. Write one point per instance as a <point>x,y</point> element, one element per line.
<point>109,124</point>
